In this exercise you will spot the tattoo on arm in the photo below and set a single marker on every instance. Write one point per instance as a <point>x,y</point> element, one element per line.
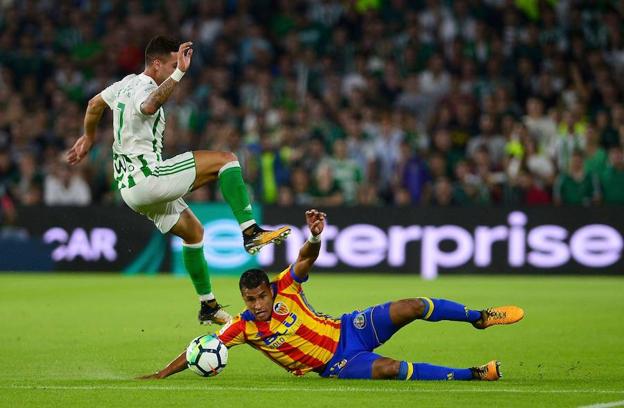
<point>159,96</point>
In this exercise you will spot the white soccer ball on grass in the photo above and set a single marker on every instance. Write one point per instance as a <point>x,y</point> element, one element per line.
<point>206,355</point>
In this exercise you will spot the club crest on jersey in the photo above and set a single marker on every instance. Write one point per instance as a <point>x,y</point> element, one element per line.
<point>359,321</point>
<point>280,308</point>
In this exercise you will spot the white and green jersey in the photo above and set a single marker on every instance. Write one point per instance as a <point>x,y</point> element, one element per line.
<point>138,138</point>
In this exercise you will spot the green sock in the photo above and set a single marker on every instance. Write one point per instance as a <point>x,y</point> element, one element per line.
<point>196,265</point>
<point>235,193</point>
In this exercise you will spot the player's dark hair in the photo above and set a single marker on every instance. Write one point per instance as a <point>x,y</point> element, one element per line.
<point>160,47</point>
<point>252,278</point>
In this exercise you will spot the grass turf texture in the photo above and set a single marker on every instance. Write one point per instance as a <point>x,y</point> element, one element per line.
<point>79,341</point>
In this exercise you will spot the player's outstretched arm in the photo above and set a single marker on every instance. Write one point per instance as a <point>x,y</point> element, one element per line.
<point>79,150</point>
<point>310,250</point>
<point>160,95</point>
<point>177,365</point>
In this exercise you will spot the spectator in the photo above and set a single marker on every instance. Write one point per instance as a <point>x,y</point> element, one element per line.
<point>595,156</point>
<point>538,163</point>
<point>29,183</point>
<point>525,191</point>
<point>8,172</point>
<point>325,191</point>
<point>273,172</point>
<point>442,193</point>
<point>413,177</point>
<point>63,186</point>
<point>612,178</point>
<point>300,182</point>
<point>346,172</point>
<point>540,126</point>
<point>488,137</point>
<point>576,186</point>
<point>469,189</point>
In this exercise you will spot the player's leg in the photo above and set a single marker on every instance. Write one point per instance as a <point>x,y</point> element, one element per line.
<point>372,366</point>
<point>191,231</point>
<point>175,217</point>
<point>406,311</point>
<point>224,167</point>
<point>386,319</point>
<point>387,368</point>
<point>378,323</point>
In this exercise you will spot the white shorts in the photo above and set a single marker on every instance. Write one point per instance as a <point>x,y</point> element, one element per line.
<point>159,196</point>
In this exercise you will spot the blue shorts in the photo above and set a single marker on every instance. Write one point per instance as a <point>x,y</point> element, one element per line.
<point>361,332</point>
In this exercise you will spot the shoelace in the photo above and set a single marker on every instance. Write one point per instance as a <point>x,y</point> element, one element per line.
<point>481,371</point>
<point>495,314</point>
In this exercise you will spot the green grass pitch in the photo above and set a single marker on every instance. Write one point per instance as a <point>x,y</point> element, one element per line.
<point>78,340</point>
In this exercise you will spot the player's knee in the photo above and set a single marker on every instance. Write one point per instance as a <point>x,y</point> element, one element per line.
<point>223,158</point>
<point>388,368</point>
<point>199,232</point>
<point>415,307</point>
<point>196,233</point>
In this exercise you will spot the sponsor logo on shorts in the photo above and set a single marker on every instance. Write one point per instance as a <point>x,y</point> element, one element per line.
<point>359,321</point>
<point>336,368</point>
<point>280,308</point>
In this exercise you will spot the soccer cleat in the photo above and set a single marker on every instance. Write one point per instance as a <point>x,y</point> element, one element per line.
<point>212,312</point>
<point>487,372</point>
<point>499,315</point>
<point>259,238</point>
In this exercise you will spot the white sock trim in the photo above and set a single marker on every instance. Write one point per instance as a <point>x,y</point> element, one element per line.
<point>229,165</point>
<point>204,298</point>
<point>197,245</point>
<point>247,224</point>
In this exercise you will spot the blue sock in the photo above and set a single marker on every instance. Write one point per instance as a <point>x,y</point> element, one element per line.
<point>429,372</point>
<point>440,309</point>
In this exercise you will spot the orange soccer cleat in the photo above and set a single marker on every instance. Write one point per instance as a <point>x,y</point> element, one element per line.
<point>499,315</point>
<point>487,372</point>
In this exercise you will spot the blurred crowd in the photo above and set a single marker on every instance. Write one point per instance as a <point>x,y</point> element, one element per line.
<point>329,102</point>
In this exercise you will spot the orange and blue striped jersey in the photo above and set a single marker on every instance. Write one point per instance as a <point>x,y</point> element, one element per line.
<point>297,338</point>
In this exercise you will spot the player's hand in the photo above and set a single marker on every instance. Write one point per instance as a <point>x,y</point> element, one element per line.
<point>154,376</point>
<point>184,56</point>
<point>79,150</point>
<point>316,221</point>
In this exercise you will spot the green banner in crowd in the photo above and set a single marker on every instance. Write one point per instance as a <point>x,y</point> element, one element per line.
<point>223,241</point>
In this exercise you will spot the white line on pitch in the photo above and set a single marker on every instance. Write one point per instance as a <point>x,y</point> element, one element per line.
<point>605,405</point>
<point>305,389</point>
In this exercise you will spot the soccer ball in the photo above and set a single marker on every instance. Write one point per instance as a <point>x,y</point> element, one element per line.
<point>206,355</point>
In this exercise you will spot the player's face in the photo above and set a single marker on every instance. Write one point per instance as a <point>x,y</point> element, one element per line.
<point>259,301</point>
<point>165,67</point>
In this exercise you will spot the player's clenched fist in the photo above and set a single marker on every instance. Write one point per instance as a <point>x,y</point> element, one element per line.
<point>316,221</point>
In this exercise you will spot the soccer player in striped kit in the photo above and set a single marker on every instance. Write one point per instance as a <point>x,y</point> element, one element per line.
<point>280,323</point>
<point>154,187</point>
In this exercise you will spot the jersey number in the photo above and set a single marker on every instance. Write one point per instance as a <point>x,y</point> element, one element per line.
<point>121,107</point>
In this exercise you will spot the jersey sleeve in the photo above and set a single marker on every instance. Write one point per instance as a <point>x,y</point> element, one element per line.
<point>288,281</point>
<point>110,93</point>
<point>141,94</point>
<point>233,333</point>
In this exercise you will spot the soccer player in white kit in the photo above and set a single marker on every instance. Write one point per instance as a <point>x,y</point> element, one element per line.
<point>154,187</point>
